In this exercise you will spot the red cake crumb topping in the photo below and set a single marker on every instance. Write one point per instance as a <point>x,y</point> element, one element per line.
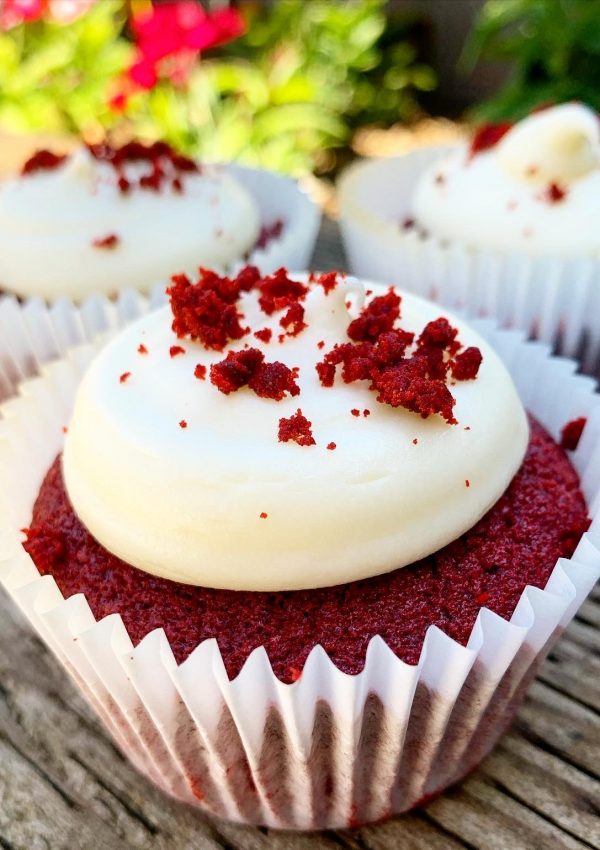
<point>488,136</point>
<point>467,482</point>
<point>415,441</point>
<point>200,372</point>
<point>278,291</point>
<point>415,382</point>
<point>466,364</point>
<point>355,411</point>
<point>321,343</point>
<point>176,350</point>
<point>263,515</point>
<point>166,166</point>
<point>206,311</point>
<point>142,348</point>
<point>366,412</point>
<point>124,377</point>
<point>107,242</point>
<point>264,335</point>
<point>293,320</point>
<point>328,280</point>
<point>378,316</point>
<point>554,193</point>
<point>331,446</point>
<point>248,368</point>
<point>296,428</point>
<point>182,423</point>
<point>43,160</point>
<point>571,433</point>
<point>268,233</point>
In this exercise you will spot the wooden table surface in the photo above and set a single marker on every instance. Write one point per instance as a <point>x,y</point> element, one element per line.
<point>65,786</point>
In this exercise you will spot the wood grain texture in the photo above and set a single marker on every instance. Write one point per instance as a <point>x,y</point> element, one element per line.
<point>64,785</point>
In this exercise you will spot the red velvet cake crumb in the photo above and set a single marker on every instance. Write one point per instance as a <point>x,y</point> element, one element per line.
<point>293,320</point>
<point>555,193</point>
<point>264,335</point>
<point>296,428</point>
<point>165,165</point>
<point>176,350</point>
<point>106,242</point>
<point>488,136</point>
<point>200,371</point>
<point>539,519</point>
<point>278,291</point>
<point>124,377</point>
<point>248,368</point>
<point>268,233</point>
<point>263,515</point>
<point>571,433</point>
<point>331,446</point>
<point>355,411</point>
<point>42,160</point>
<point>142,348</point>
<point>466,364</point>
<point>328,280</point>
<point>182,423</point>
<point>378,316</point>
<point>206,311</point>
<point>379,354</point>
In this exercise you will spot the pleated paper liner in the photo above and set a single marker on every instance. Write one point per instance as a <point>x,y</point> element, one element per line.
<point>555,300</point>
<point>330,750</point>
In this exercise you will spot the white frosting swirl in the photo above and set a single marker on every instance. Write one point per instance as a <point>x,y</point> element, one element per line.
<point>49,221</point>
<point>502,198</point>
<point>186,504</point>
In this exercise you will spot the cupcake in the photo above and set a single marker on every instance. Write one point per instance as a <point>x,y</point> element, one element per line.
<point>301,540</point>
<point>505,226</point>
<point>103,219</point>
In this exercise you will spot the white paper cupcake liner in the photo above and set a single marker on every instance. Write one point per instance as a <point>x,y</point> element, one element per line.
<point>330,750</point>
<point>279,199</point>
<point>556,300</point>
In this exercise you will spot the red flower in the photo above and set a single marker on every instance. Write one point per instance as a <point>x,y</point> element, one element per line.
<point>177,31</point>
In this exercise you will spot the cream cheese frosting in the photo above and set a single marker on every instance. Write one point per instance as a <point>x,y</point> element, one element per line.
<point>53,223</point>
<point>190,484</point>
<point>536,191</point>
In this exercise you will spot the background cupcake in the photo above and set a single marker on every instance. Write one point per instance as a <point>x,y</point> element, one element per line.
<point>504,226</point>
<point>290,738</point>
<point>104,219</point>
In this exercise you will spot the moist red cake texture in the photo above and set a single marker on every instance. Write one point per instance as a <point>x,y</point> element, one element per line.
<point>540,518</point>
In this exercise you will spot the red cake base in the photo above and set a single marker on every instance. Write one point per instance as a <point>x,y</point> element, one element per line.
<point>539,519</point>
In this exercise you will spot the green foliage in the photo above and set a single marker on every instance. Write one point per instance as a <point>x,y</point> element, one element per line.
<point>552,45</point>
<point>55,77</point>
<point>294,87</point>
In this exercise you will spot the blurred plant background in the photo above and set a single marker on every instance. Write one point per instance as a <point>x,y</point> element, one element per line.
<point>551,46</point>
<point>280,85</point>
<point>289,85</point>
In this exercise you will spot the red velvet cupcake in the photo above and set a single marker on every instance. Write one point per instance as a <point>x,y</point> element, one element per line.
<point>326,546</point>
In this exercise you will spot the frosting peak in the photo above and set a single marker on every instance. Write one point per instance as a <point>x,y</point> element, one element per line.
<point>556,145</point>
<point>533,189</point>
<point>279,480</point>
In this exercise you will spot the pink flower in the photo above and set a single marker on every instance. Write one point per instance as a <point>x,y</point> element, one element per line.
<point>178,30</point>
<point>14,12</point>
